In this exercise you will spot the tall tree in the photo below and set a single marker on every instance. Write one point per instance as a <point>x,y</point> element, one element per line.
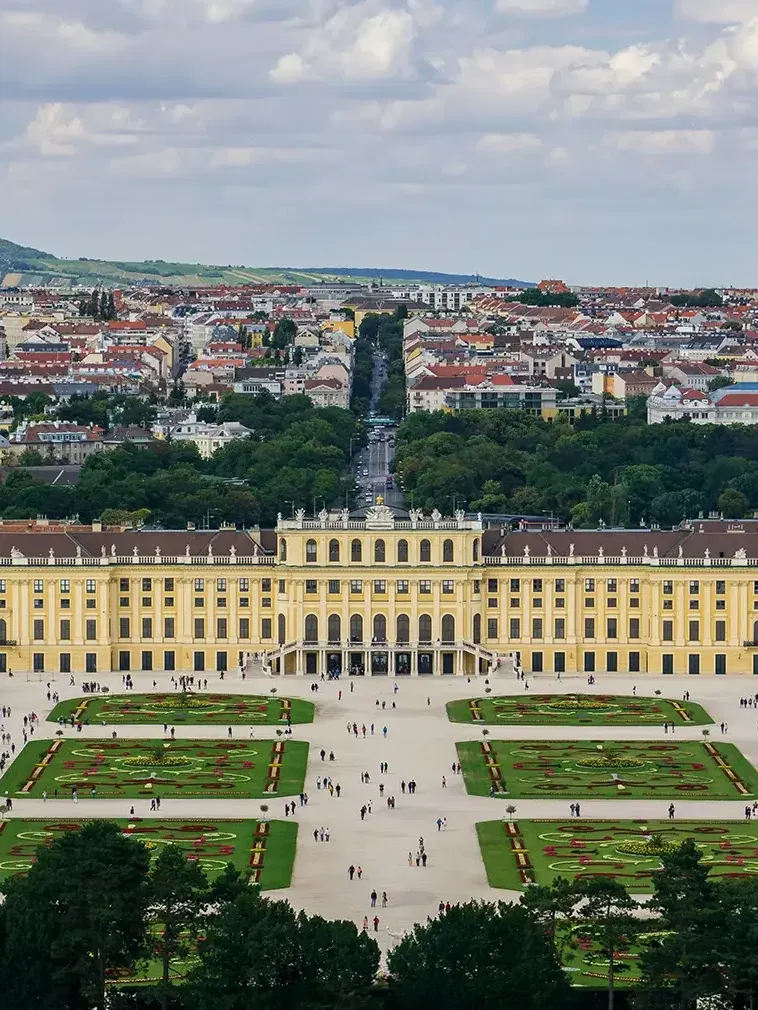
<point>607,905</point>
<point>178,889</point>
<point>478,955</point>
<point>77,916</point>
<point>553,905</point>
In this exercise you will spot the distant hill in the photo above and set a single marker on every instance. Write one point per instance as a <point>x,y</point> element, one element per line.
<point>21,265</point>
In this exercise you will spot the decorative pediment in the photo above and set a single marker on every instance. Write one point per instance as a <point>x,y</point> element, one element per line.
<point>380,517</point>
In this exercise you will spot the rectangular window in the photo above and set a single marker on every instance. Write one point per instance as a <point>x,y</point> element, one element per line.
<point>560,662</point>
<point>169,627</point>
<point>244,585</point>
<point>612,602</point>
<point>265,585</point>
<point>694,604</point>
<point>560,627</point>
<point>356,586</point>
<point>65,585</point>
<point>90,631</point>
<point>198,663</point>
<point>720,587</point>
<point>221,602</point>
<point>560,587</point>
<point>333,586</point>
<point>123,585</point>
<point>693,631</point>
<point>667,631</point>
<point>634,585</point>
<point>514,628</point>
<point>38,630</point>
<point>537,603</point>
<point>147,627</point>
<point>199,601</point>
<point>124,660</point>
<point>266,601</point>
<point>720,604</point>
<point>589,662</point>
<point>221,585</point>
<point>146,660</point>
<point>90,662</point>
<point>123,601</point>
<point>515,585</point>
<point>244,601</point>
<point>199,627</point>
<point>448,586</point>
<point>537,662</point>
<point>492,585</point>
<point>612,628</point>
<point>402,586</point>
<point>311,586</point>
<point>221,627</point>
<point>720,631</point>
<point>2,585</point>
<point>40,604</point>
<point>38,662</point>
<point>168,585</point>
<point>477,587</point>
<point>425,586</point>
<point>380,586</point>
<point>39,585</point>
<point>147,585</point>
<point>124,630</point>
<point>65,603</point>
<point>266,628</point>
<point>91,585</point>
<point>515,603</point>
<point>634,602</point>
<point>755,665</point>
<point>668,588</point>
<point>169,660</point>
<point>537,585</point>
<point>64,662</point>
<point>244,627</point>
<point>491,627</point>
<point>536,627</point>
<point>634,627</point>
<point>589,585</point>
<point>589,627</point>
<point>694,588</point>
<point>492,602</point>
<point>719,664</point>
<point>65,635</point>
<point>222,663</point>
<point>199,585</point>
<point>611,586</point>
<point>693,665</point>
<point>589,602</point>
<point>612,662</point>
<point>667,663</point>
<point>634,662</point>
<point>282,585</point>
<point>560,603</point>
<point>668,604</point>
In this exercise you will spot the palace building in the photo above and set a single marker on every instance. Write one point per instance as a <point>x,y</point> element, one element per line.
<point>378,592</point>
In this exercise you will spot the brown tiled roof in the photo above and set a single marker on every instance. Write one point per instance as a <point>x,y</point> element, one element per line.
<point>37,544</point>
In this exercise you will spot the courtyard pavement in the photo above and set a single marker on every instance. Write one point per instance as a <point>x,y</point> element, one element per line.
<point>420,745</point>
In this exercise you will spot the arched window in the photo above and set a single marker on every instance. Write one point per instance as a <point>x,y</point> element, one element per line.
<point>356,628</point>
<point>282,549</point>
<point>425,551</point>
<point>402,550</point>
<point>311,553</point>
<point>424,628</point>
<point>380,551</point>
<point>403,629</point>
<point>311,628</point>
<point>355,551</point>
<point>380,628</point>
<point>448,629</point>
<point>475,549</point>
<point>334,550</point>
<point>334,629</point>
<point>448,551</point>
<point>476,630</point>
<point>282,629</point>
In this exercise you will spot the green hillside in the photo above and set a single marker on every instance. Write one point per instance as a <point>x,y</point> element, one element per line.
<point>21,265</point>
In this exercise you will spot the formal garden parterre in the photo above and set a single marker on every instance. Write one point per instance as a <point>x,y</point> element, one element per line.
<point>593,769</point>
<point>576,710</point>
<point>141,769</point>
<point>184,708</point>
<point>522,852</point>
<point>262,850</point>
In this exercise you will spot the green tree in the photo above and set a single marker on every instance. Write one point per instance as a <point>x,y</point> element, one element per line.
<point>733,504</point>
<point>738,943</point>
<point>30,457</point>
<point>551,906</point>
<point>178,889</point>
<point>607,906</point>
<point>284,334</point>
<point>720,382</point>
<point>260,953</point>
<point>77,916</point>
<point>479,955</point>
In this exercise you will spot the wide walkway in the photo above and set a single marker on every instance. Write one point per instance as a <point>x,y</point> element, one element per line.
<point>419,745</point>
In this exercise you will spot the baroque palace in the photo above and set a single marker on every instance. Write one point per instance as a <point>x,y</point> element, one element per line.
<point>380,592</point>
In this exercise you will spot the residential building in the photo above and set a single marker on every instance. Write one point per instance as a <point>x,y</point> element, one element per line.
<point>208,436</point>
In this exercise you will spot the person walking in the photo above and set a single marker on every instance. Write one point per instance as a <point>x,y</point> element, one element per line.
<point>373,899</point>
<point>384,899</point>
<point>376,923</point>
<point>351,871</point>
<point>672,811</point>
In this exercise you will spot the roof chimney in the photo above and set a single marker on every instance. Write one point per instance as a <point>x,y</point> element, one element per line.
<point>97,526</point>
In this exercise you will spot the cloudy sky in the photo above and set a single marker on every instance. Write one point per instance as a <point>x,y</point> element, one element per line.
<point>596,140</point>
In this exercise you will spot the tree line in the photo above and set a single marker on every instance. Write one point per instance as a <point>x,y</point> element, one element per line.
<point>615,471</point>
<point>97,907</point>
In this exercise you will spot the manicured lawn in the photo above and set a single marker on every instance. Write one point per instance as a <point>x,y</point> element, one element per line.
<point>180,708</point>
<point>524,852</point>
<point>141,769</point>
<point>593,769</point>
<point>585,965</point>
<point>576,710</point>
<point>265,850</point>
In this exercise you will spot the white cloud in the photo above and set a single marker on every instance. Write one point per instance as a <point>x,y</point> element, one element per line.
<point>717,11</point>
<point>508,143</point>
<point>542,8</point>
<point>663,141</point>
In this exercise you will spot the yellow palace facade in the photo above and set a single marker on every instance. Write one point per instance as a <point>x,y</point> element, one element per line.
<point>378,592</point>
